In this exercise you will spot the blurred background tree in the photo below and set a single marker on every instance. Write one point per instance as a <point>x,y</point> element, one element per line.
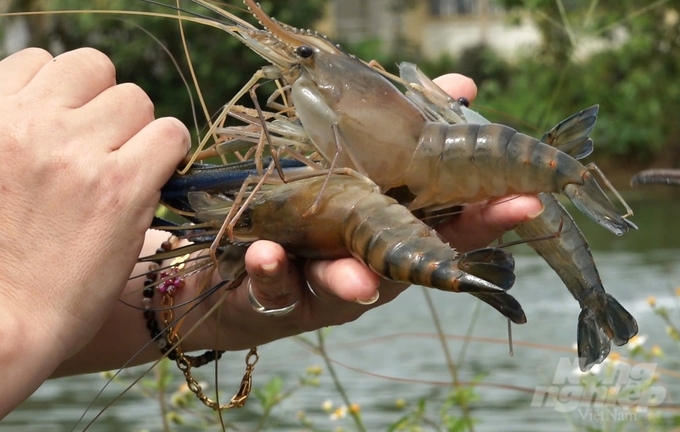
<point>634,78</point>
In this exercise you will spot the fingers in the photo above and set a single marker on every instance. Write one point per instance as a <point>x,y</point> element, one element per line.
<point>346,279</point>
<point>74,78</point>
<point>343,290</point>
<point>480,224</point>
<point>276,283</point>
<point>28,61</point>
<point>457,86</point>
<point>154,153</point>
<point>274,280</point>
<point>116,114</point>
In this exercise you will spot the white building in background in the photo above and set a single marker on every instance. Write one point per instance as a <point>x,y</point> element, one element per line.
<point>437,26</point>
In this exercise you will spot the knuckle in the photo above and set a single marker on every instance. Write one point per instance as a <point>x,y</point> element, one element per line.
<point>99,62</point>
<point>36,54</point>
<point>134,96</point>
<point>172,131</point>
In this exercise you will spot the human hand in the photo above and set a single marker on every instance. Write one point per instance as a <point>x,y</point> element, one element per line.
<point>345,288</point>
<point>83,163</point>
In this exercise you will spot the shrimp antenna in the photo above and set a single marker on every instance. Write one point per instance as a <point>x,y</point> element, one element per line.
<point>216,10</point>
<point>512,351</point>
<point>179,9</point>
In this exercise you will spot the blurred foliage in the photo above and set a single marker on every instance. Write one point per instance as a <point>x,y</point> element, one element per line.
<point>634,79</point>
<point>222,64</point>
<point>633,76</point>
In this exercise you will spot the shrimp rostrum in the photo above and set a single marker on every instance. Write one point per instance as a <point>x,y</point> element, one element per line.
<point>353,218</point>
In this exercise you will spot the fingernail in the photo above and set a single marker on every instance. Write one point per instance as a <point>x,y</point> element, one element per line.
<point>532,216</point>
<point>270,269</point>
<point>367,302</point>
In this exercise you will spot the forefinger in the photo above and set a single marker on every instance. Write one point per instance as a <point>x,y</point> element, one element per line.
<point>152,155</point>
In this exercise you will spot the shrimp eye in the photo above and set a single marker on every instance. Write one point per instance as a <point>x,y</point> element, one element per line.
<point>304,51</point>
<point>464,101</point>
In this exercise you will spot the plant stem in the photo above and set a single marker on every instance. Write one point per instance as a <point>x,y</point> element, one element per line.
<point>336,381</point>
<point>464,407</point>
<point>468,333</point>
<point>161,374</point>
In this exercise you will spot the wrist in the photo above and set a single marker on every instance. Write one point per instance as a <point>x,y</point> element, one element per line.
<point>175,307</point>
<point>28,354</point>
<point>125,340</point>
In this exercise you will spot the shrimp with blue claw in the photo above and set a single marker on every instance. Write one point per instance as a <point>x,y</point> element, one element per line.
<point>353,219</point>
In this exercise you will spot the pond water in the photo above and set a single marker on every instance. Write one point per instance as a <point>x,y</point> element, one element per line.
<point>393,353</point>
